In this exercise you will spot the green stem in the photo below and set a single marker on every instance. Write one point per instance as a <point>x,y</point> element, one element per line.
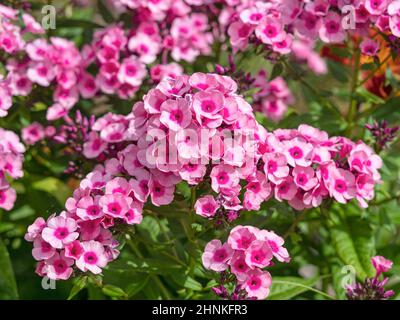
<point>166,236</point>
<point>156,279</point>
<point>371,75</point>
<point>295,223</point>
<point>352,101</point>
<point>323,101</point>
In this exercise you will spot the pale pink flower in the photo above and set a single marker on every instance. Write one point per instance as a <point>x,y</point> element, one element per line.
<point>33,133</point>
<point>341,185</point>
<point>7,198</point>
<point>239,266</point>
<point>88,208</point>
<point>5,101</point>
<point>369,47</point>
<point>206,206</point>
<point>41,73</point>
<point>331,30</point>
<point>175,114</point>
<point>241,237</point>
<point>118,185</point>
<point>304,177</point>
<point>286,190</point>
<point>145,47</point>
<point>20,85</point>
<point>207,106</point>
<point>275,166</point>
<point>276,244</point>
<point>258,254</point>
<point>74,250</point>
<point>376,7</point>
<point>93,258</point>
<point>257,191</point>
<point>192,173</point>
<point>298,152</point>
<point>87,86</point>
<point>239,33</point>
<point>223,176</point>
<point>35,229</point>
<point>270,30</point>
<point>132,71</point>
<point>134,214</point>
<point>42,250</point>
<point>257,284</point>
<point>58,267</point>
<point>38,49</point>
<point>160,195</point>
<point>94,146</point>
<point>116,205</point>
<point>60,231</point>
<point>31,25</point>
<point>216,255</point>
<point>140,183</point>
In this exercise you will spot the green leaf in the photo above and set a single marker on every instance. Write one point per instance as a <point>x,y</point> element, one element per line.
<point>339,71</point>
<point>184,189</point>
<point>277,70</point>
<point>8,285</point>
<point>79,285</point>
<point>136,287</point>
<point>150,228</point>
<point>354,244</point>
<point>285,288</point>
<point>368,96</point>
<point>151,290</point>
<point>113,291</point>
<point>337,280</point>
<point>187,282</point>
<point>389,111</point>
<point>160,265</point>
<point>6,226</point>
<point>55,187</point>
<point>21,213</point>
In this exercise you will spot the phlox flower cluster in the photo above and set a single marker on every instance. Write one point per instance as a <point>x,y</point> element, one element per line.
<point>198,129</point>
<point>177,29</point>
<point>306,166</point>
<point>273,96</point>
<point>11,159</point>
<point>277,24</point>
<point>11,34</point>
<point>35,132</point>
<point>71,136</point>
<point>12,42</point>
<point>246,253</point>
<point>303,166</point>
<point>116,192</point>
<point>121,58</point>
<point>188,27</point>
<point>44,63</point>
<point>81,237</point>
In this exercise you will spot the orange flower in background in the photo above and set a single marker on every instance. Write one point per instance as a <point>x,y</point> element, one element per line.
<point>377,83</point>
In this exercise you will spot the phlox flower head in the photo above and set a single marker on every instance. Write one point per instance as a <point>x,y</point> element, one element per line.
<point>247,252</point>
